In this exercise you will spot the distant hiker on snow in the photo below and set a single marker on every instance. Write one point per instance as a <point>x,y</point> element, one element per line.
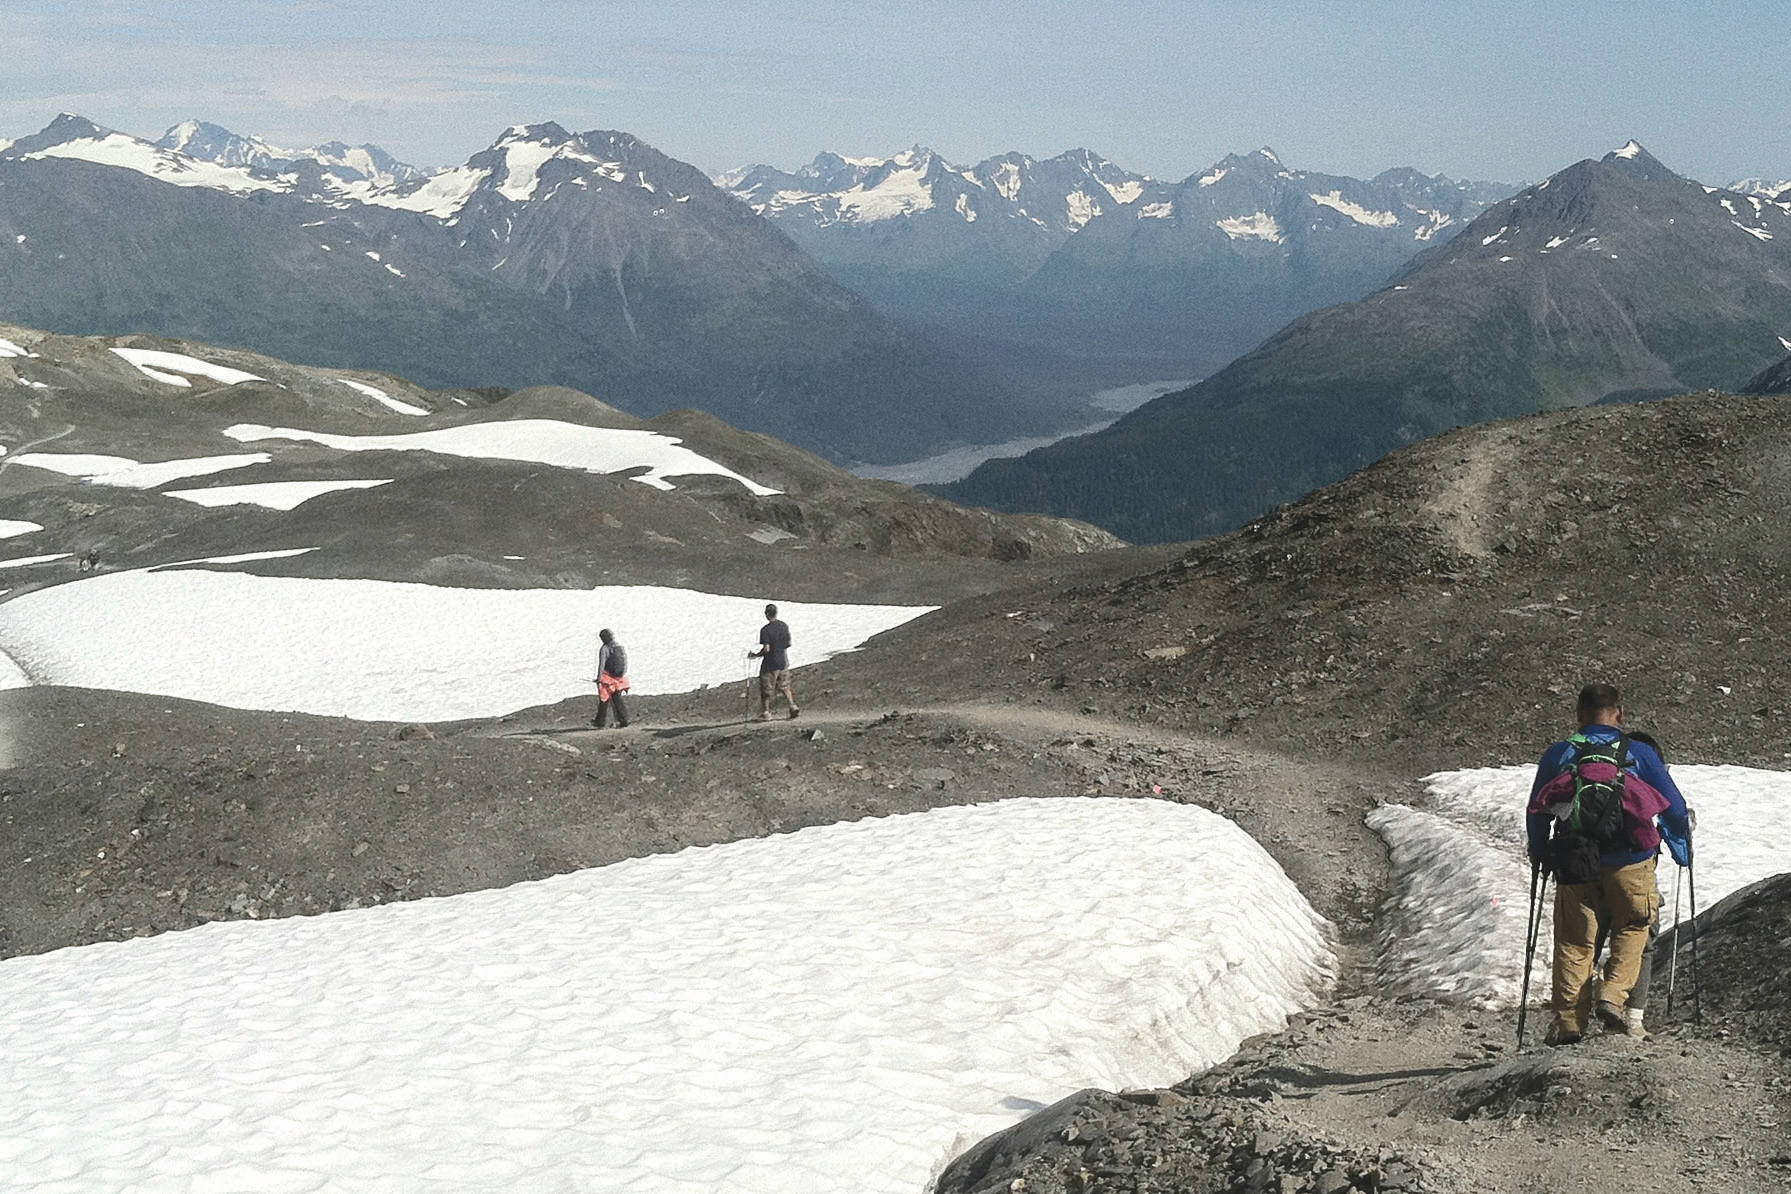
<point>774,672</point>
<point>1592,826</point>
<point>612,680</point>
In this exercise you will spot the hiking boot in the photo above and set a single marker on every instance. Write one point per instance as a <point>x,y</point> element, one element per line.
<point>1633,1026</point>
<point>795,713</point>
<point>766,716</point>
<point>1560,1035</point>
<point>1613,1017</point>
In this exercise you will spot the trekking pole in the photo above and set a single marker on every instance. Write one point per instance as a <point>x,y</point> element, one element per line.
<point>1691,885</point>
<point>1532,932</point>
<point>746,693</point>
<point>1673,957</point>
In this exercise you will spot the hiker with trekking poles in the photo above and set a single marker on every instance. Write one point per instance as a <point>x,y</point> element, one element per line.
<point>1600,807</point>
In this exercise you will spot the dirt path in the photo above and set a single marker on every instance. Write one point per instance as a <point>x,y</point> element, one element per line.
<point>1308,813</point>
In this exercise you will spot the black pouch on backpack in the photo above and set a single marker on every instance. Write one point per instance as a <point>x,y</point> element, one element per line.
<point>1574,858</point>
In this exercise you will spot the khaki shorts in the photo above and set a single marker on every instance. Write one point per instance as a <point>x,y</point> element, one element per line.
<point>773,682</point>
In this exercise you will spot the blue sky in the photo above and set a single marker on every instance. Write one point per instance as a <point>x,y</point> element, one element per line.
<point>1512,90</point>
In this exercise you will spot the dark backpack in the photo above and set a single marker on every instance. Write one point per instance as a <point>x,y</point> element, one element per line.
<point>1592,823</point>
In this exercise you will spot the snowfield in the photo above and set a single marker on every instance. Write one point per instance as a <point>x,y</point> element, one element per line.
<point>1463,879</point>
<point>842,1008</point>
<point>541,441</point>
<point>168,367</point>
<point>390,651</point>
<point>131,474</point>
<point>274,495</point>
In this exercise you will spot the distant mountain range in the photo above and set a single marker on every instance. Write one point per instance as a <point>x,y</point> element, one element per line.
<point>589,260</point>
<point>1613,279</point>
<point>1076,272</point>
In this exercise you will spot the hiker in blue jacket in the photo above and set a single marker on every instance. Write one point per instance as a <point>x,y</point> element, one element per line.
<point>1623,899</point>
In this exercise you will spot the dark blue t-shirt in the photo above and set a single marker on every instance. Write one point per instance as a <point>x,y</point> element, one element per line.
<point>775,637</point>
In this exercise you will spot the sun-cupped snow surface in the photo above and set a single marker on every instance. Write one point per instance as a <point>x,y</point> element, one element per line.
<point>11,527</point>
<point>1456,928</point>
<point>126,473</point>
<point>543,441</point>
<point>391,651</point>
<point>275,495</point>
<point>842,1008</point>
<point>383,398</point>
<point>167,367</point>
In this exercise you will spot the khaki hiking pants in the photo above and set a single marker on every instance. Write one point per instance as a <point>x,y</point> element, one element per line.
<point>1625,900</point>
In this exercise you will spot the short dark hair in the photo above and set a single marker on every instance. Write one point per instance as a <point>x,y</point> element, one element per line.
<point>1596,698</point>
<point>605,635</point>
<point>771,611</point>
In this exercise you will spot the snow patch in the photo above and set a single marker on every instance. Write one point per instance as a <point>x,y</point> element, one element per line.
<point>1156,211</point>
<point>964,209</point>
<point>9,349</point>
<point>1207,180</point>
<point>383,398</point>
<point>390,651</point>
<point>1462,879</point>
<point>1495,236</point>
<point>841,1008</point>
<point>1258,226</point>
<point>167,366</point>
<point>542,441</point>
<point>126,473</point>
<point>11,528</point>
<point>1124,192</point>
<point>1759,233</point>
<point>1630,149</point>
<point>26,561</point>
<point>442,196</point>
<point>274,495</point>
<point>1081,208</point>
<point>1355,211</point>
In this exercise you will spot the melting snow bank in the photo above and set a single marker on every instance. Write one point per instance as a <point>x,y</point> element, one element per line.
<point>390,651</point>
<point>1455,926</point>
<point>843,1008</point>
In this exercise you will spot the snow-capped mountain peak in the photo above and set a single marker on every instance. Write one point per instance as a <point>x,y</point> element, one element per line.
<point>340,165</point>
<point>77,138</point>
<point>1762,187</point>
<point>1057,196</point>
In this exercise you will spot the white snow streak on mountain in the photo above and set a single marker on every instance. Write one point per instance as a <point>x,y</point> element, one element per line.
<point>383,398</point>
<point>1355,211</point>
<point>129,474</point>
<point>153,363</point>
<point>842,1008</point>
<point>9,349</point>
<point>11,527</point>
<point>389,651</point>
<point>1463,876</point>
<point>543,441</point>
<point>275,495</point>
